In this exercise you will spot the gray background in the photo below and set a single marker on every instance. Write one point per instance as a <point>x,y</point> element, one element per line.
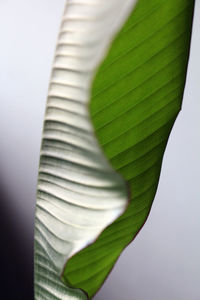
<point>163,263</point>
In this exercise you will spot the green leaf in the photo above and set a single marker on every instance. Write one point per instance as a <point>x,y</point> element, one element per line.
<point>136,96</point>
<point>134,100</point>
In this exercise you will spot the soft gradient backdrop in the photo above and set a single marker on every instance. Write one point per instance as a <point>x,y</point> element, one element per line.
<point>163,263</point>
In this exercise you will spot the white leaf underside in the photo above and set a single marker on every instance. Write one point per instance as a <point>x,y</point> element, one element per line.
<point>79,194</point>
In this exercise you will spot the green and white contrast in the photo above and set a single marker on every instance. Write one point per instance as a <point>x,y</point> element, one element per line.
<point>115,91</point>
<point>79,193</point>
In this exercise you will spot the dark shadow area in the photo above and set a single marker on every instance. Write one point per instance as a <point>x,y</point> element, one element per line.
<point>16,264</point>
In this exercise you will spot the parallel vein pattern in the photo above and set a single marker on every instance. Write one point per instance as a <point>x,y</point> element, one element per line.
<point>136,96</point>
<point>79,193</point>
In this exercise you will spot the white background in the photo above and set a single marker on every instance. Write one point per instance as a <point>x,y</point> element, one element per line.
<point>163,263</point>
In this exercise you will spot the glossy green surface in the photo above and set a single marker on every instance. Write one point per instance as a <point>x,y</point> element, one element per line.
<point>136,96</point>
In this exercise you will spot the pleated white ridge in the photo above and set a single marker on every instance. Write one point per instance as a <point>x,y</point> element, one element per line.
<point>79,194</point>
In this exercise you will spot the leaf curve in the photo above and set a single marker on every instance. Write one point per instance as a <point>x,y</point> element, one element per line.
<point>136,97</point>
<point>75,178</point>
<point>133,109</point>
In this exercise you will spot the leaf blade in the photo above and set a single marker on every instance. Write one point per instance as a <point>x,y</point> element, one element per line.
<point>75,178</point>
<point>144,91</point>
